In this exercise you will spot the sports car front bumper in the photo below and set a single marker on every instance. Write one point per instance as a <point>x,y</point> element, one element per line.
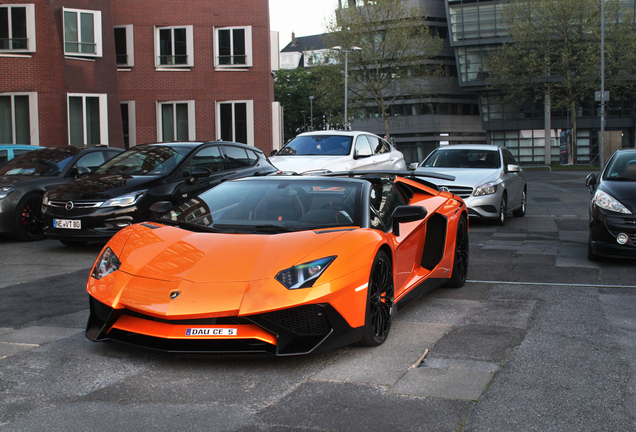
<point>297,330</point>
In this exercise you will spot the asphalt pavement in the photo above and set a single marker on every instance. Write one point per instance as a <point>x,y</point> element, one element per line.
<point>539,339</point>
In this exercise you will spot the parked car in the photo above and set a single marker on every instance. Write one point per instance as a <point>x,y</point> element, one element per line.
<point>25,179</point>
<point>9,151</point>
<point>120,192</point>
<point>323,151</point>
<point>282,265</point>
<point>613,208</point>
<point>487,178</point>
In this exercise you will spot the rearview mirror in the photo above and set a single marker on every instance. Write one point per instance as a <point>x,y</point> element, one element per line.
<point>273,152</point>
<point>513,168</point>
<point>404,213</point>
<point>413,166</point>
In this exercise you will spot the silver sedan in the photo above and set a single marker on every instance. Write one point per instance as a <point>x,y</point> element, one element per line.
<point>487,178</point>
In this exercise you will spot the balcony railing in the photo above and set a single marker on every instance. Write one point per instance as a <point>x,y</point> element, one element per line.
<point>173,60</point>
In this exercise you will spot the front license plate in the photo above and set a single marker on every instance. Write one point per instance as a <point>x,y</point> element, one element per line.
<point>211,332</point>
<point>67,223</point>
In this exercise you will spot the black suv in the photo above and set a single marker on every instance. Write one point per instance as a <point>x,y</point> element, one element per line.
<point>121,192</point>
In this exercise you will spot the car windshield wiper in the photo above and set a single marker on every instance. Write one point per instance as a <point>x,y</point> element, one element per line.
<point>196,227</point>
<point>269,228</point>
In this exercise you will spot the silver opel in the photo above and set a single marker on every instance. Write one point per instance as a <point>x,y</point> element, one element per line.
<point>487,178</point>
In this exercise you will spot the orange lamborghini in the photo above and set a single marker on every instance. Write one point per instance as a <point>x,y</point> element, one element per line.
<point>282,265</point>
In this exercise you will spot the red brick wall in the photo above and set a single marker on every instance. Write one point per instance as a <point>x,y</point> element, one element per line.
<point>48,73</point>
<point>145,85</point>
<point>52,76</point>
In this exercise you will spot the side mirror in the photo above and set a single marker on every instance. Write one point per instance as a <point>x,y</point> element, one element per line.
<point>160,207</point>
<point>273,152</point>
<point>81,170</point>
<point>199,172</point>
<point>513,168</point>
<point>413,166</point>
<point>403,214</point>
<point>591,181</point>
<point>360,156</point>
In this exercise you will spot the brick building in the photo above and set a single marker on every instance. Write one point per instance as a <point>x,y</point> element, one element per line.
<point>125,72</point>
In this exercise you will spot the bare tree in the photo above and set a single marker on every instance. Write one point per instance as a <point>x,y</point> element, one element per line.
<point>396,52</point>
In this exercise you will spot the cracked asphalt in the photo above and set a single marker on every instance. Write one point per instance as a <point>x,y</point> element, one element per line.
<point>539,339</point>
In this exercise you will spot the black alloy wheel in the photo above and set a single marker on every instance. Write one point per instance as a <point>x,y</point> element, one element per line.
<point>379,309</point>
<point>29,222</point>
<point>460,263</point>
<point>521,211</point>
<point>503,211</point>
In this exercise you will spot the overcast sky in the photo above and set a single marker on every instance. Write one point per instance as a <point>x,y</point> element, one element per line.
<point>304,17</point>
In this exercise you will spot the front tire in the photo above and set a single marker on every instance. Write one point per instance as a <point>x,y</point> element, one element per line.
<point>503,211</point>
<point>460,263</point>
<point>380,292</point>
<point>28,220</point>
<point>521,211</point>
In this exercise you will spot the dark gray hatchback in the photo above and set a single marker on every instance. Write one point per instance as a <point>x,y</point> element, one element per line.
<point>121,192</point>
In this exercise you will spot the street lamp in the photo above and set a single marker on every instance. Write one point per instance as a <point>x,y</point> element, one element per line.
<point>346,52</point>
<point>311,113</point>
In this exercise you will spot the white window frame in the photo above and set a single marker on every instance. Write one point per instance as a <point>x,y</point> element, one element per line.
<point>250,119</point>
<point>249,61</point>
<point>132,123</point>
<point>103,116</point>
<point>191,119</point>
<point>189,47</point>
<point>33,116</point>
<point>130,46</point>
<point>97,30</point>
<point>30,25</point>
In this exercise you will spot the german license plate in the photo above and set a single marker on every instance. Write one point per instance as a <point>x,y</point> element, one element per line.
<point>211,332</point>
<point>67,223</point>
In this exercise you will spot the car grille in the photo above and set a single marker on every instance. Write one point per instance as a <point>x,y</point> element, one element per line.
<point>460,191</point>
<point>80,208</point>
<point>303,320</point>
<point>632,239</point>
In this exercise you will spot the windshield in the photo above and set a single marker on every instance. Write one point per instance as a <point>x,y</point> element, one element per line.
<point>318,145</point>
<point>456,158</point>
<point>145,160</point>
<point>273,206</point>
<point>45,163</point>
<point>622,167</point>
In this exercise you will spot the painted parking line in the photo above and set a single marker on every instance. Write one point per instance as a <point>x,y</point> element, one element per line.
<point>551,284</point>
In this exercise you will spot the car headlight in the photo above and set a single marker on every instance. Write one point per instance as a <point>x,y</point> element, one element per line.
<point>6,190</point>
<point>106,264</point>
<point>303,275</point>
<point>124,200</point>
<point>45,199</point>
<point>486,189</point>
<point>608,202</point>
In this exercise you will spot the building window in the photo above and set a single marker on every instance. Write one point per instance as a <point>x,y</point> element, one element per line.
<point>87,119</point>
<point>235,121</point>
<point>174,46</point>
<point>175,121</point>
<point>124,46</point>
<point>82,32</point>
<point>19,118</point>
<point>129,124</point>
<point>233,47</point>
<point>17,28</point>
